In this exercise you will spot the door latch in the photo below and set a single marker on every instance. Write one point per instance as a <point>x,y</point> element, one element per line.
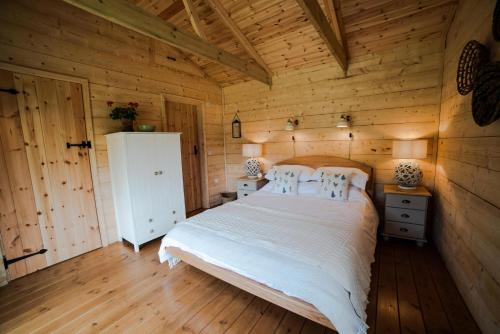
<point>6,262</point>
<point>11,91</point>
<point>83,144</point>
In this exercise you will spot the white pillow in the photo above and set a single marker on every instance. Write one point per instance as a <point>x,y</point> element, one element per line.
<point>305,172</point>
<point>286,181</point>
<point>303,188</point>
<point>358,177</point>
<point>335,186</point>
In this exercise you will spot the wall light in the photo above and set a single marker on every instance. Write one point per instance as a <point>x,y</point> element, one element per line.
<point>345,121</point>
<point>291,124</point>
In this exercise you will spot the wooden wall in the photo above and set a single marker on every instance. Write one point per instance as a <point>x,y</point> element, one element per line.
<point>391,93</point>
<point>120,65</point>
<point>467,222</point>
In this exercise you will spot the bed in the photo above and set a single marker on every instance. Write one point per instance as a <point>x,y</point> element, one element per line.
<point>306,254</point>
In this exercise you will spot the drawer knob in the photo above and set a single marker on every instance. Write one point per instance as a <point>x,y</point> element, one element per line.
<point>245,185</point>
<point>173,212</point>
<point>245,194</point>
<point>150,220</point>
<point>175,221</point>
<point>406,201</point>
<point>156,173</point>
<point>402,229</point>
<point>160,172</point>
<point>405,215</point>
<point>152,231</point>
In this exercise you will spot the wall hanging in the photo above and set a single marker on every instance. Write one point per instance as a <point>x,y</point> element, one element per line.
<point>473,56</point>
<point>236,127</point>
<point>486,95</point>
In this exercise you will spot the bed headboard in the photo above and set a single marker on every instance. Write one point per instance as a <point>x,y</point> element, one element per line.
<point>316,161</point>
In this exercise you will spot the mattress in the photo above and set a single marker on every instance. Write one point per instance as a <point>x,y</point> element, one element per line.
<point>314,249</point>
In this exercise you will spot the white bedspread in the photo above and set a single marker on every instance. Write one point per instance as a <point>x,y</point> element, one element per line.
<point>314,249</point>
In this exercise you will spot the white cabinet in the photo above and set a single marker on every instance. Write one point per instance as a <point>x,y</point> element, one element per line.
<point>146,177</point>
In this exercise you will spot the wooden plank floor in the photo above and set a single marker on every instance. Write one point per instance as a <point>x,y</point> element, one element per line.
<point>115,290</point>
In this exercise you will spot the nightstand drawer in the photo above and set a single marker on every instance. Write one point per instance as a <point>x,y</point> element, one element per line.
<point>244,193</point>
<point>404,201</point>
<point>405,215</point>
<point>247,185</point>
<point>404,230</point>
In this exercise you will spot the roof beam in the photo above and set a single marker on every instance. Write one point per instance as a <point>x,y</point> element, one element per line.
<point>132,17</point>
<point>245,43</point>
<point>172,10</point>
<point>194,18</point>
<point>315,15</point>
<point>333,12</point>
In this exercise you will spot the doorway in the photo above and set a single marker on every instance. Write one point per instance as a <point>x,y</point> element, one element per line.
<point>48,197</point>
<point>183,118</point>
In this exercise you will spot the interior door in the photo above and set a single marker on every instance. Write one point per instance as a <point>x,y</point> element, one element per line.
<point>181,117</point>
<point>51,114</point>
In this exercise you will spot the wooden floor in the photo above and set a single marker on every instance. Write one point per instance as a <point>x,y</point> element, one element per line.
<point>115,290</point>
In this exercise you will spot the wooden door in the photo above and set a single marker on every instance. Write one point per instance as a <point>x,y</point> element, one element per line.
<point>181,117</point>
<point>57,179</point>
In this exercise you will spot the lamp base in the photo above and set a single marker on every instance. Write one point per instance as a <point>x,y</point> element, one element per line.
<point>406,187</point>
<point>407,174</point>
<point>252,168</point>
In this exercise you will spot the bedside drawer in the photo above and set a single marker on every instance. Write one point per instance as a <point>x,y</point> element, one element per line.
<point>247,185</point>
<point>405,215</point>
<point>409,202</point>
<point>244,193</point>
<point>411,231</point>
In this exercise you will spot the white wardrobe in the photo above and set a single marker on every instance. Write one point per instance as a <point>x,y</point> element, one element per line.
<point>146,177</point>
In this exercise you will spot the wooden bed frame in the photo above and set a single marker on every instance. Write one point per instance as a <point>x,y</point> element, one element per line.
<point>274,296</point>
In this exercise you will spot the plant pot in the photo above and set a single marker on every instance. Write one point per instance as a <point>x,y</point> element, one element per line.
<point>127,125</point>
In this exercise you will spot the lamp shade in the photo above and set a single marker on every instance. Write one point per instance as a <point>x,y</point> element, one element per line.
<point>252,150</point>
<point>409,149</point>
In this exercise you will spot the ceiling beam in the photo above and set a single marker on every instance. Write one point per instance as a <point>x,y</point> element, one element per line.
<point>172,10</point>
<point>231,25</point>
<point>194,18</point>
<point>315,15</point>
<point>132,17</point>
<point>335,16</point>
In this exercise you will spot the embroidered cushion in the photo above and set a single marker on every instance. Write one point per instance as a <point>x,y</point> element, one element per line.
<point>305,172</point>
<point>335,186</point>
<point>286,180</point>
<point>358,177</point>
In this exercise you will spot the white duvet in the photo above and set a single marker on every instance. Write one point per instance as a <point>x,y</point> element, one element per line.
<point>311,248</point>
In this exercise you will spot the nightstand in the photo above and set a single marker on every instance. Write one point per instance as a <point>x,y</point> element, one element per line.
<point>406,213</point>
<point>246,186</point>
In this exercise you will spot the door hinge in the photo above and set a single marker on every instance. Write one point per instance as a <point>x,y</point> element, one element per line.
<point>83,144</point>
<point>6,262</point>
<point>12,91</point>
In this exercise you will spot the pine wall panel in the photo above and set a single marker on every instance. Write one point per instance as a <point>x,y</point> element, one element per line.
<point>390,94</point>
<point>467,221</point>
<point>120,65</point>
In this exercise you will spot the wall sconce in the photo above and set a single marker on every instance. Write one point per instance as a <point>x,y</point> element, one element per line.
<point>291,124</point>
<point>345,121</point>
<point>236,127</point>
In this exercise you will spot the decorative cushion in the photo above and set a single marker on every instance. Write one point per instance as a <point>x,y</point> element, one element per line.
<point>286,180</point>
<point>335,186</point>
<point>305,172</point>
<point>358,177</point>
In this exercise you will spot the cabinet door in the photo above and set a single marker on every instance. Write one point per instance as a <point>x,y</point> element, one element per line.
<point>170,182</point>
<point>141,162</point>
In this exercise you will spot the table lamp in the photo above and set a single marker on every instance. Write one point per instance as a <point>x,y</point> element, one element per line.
<point>252,165</point>
<point>407,173</point>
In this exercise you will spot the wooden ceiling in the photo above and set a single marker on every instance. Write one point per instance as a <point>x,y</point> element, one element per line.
<point>285,39</point>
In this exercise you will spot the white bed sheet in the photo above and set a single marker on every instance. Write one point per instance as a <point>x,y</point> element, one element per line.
<point>311,248</point>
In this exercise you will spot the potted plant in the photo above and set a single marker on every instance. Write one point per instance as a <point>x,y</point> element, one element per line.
<point>125,113</point>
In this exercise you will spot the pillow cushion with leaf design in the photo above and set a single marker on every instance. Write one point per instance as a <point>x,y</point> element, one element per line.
<point>286,180</point>
<point>335,186</point>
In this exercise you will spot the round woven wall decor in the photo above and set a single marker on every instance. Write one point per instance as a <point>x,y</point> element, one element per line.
<point>496,22</point>
<point>486,95</point>
<point>473,56</point>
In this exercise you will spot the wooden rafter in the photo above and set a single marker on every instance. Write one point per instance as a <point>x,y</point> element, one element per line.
<point>194,18</point>
<point>235,30</point>
<point>315,15</point>
<point>332,8</point>
<point>175,8</point>
<point>132,17</point>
